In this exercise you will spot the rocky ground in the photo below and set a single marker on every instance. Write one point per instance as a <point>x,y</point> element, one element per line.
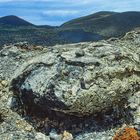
<point>84,91</point>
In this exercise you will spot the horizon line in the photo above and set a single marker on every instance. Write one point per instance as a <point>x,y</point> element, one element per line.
<point>63,22</point>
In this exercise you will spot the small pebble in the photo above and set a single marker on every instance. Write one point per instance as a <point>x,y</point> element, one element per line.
<point>28,128</point>
<point>133,106</point>
<point>79,53</point>
<point>53,135</point>
<point>40,136</point>
<point>4,83</point>
<point>67,136</point>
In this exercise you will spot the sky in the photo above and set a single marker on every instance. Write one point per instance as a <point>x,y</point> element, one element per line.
<point>56,12</point>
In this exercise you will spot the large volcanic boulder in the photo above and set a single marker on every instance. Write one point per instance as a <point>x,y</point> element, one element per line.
<point>80,79</point>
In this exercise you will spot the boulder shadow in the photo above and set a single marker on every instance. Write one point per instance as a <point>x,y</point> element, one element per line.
<point>45,122</point>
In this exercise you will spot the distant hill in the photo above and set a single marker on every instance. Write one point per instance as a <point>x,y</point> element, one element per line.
<point>107,24</point>
<point>94,27</point>
<point>14,21</point>
<point>89,18</point>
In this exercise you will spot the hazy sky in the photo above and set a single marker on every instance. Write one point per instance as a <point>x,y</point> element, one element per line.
<point>56,12</point>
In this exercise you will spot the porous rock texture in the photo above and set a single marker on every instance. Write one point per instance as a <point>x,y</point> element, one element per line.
<point>105,75</point>
<point>76,79</point>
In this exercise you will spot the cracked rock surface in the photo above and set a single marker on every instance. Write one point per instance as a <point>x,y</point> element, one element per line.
<point>76,79</point>
<point>60,80</point>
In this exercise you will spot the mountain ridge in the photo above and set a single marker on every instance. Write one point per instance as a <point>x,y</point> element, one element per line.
<point>94,27</point>
<point>94,15</point>
<point>97,15</point>
<point>13,20</point>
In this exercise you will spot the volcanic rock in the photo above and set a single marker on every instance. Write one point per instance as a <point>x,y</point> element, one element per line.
<point>102,78</point>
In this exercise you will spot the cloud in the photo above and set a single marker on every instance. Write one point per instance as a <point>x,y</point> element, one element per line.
<point>63,1</point>
<point>2,1</point>
<point>55,12</point>
<point>60,12</point>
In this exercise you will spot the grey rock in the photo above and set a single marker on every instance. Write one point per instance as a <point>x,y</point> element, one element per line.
<point>21,44</point>
<point>137,127</point>
<point>67,84</point>
<point>133,106</point>
<point>53,135</point>
<point>79,53</point>
<point>40,136</point>
<point>78,85</point>
<point>137,121</point>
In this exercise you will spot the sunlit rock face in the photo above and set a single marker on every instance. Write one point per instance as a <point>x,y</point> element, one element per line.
<point>80,79</point>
